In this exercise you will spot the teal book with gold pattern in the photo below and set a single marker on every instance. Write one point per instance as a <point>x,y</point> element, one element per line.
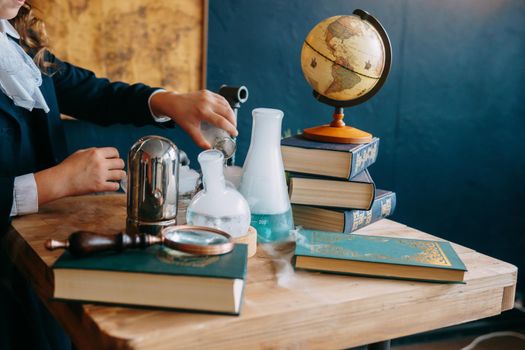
<point>399,258</point>
<point>155,277</point>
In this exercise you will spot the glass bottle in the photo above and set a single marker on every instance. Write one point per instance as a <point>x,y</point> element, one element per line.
<point>219,139</point>
<point>263,182</point>
<point>218,205</point>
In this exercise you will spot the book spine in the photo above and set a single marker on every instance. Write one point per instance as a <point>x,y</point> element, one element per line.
<point>364,157</point>
<point>382,207</point>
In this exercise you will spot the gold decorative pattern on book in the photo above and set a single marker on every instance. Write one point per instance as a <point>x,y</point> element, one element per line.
<point>430,251</point>
<point>386,207</point>
<point>361,218</point>
<point>367,155</point>
<point>320,238</point>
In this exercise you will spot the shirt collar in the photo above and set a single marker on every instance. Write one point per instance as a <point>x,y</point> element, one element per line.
<point>6,27</point>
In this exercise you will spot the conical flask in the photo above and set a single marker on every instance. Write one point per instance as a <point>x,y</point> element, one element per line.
<point>263,182</point>
<point>218,205</point>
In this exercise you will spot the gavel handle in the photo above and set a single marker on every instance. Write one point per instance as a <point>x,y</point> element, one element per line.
<point>82,243</point>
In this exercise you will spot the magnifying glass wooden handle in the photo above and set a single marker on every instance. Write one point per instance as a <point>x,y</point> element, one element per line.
<point>82,243</point>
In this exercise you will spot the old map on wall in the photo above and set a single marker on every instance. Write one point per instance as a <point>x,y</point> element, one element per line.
<point>157,42</point>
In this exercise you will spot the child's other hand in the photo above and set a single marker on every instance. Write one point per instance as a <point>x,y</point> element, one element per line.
<point>85,171</point>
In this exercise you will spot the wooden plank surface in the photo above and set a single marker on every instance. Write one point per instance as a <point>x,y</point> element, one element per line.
<point>301,309</point>
<point>157,42</point>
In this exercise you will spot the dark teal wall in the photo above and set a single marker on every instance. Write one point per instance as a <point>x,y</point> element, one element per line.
<point>451,115</point>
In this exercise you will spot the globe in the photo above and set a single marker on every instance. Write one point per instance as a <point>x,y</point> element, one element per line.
<point>346,60</point>
<point>343,57</point>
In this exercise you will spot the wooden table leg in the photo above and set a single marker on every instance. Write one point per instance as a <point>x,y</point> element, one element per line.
<point>382,345</point>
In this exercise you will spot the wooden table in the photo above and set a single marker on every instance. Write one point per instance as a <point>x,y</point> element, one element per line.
<point>308,310</point>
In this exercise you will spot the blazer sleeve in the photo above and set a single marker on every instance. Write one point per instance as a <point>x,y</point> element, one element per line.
<point>83,95</point>
<point>6,201</point>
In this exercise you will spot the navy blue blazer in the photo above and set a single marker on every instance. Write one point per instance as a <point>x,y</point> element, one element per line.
<point>69,90</point>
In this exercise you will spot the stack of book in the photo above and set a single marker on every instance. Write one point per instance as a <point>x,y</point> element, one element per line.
<point>330,186</point>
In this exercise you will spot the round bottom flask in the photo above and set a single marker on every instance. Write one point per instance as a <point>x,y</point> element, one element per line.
<point>218,205</point>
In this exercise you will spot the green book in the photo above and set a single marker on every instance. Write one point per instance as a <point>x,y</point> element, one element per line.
<point>155,278</point>
<point>399,258</point>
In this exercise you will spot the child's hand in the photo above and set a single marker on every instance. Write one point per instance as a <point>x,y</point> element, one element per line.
<point>85,171</point>
<point>189,110</point>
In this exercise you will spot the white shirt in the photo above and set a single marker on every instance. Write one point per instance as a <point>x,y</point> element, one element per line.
<point>7,28</point>
<point>25,193</point>
<point>20,78</point>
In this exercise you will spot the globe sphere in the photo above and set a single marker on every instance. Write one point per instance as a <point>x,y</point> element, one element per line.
<point>343,57</point>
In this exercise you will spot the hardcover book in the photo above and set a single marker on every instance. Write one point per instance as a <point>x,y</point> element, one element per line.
<point>155,278</point>
<point>356,193</point>
<point>399,258</point>
<point>344,220</point>
<point>337,160</point>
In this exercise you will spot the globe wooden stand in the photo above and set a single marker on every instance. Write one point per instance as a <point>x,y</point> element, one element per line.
<point>337,131</point>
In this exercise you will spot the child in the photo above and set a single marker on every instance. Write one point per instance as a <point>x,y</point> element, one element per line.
<point>35,87</point>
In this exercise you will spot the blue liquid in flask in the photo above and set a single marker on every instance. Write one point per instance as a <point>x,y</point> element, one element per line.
<point>273,227</point>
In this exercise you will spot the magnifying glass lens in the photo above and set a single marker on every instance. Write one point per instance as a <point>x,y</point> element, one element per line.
<point>195,237</point>
<point>197,240</point>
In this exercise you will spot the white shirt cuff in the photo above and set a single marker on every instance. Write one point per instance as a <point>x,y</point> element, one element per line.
<point>157,118</point>
<point>25,195</point>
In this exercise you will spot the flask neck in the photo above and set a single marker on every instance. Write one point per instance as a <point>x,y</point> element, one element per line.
<point>267,127</point>
<point>211,162</point>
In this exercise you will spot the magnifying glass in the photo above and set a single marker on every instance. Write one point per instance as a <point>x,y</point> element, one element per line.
<point>198,240</point>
